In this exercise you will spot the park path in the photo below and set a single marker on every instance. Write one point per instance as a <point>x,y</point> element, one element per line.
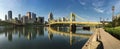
<point>102,40</point>
<point>109,42</point>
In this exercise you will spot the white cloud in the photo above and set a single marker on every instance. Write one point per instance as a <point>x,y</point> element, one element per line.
<point>98,4</point>
<point>117,6</point>
<point>99,10</point>
<point>82,2</point>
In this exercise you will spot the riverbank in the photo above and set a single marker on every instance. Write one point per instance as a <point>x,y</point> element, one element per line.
<point>113,31</point>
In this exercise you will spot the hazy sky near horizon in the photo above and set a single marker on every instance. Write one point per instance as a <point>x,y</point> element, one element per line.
<point>90,10</point>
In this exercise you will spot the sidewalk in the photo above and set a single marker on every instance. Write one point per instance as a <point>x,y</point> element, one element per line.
<point>109,42</point>
<point>102,40</point>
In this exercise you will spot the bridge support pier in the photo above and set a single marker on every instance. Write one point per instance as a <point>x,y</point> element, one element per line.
<point>72,28</point>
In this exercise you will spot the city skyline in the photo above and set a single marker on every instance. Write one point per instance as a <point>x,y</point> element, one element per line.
<point>90,10</point>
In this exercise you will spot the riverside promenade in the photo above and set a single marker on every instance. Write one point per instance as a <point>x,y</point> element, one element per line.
<point>102,40</point>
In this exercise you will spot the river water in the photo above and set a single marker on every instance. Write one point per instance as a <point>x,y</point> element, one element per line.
<point>42,38</point>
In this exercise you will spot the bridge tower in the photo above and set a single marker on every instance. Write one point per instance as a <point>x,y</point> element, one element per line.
<point>72,18</point>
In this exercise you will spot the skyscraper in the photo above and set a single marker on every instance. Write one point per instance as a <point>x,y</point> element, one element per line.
<point>25,18</point>
<point>50,17</point>
<point>29,15</point>
<point>5,17</point>
<point>40,20</point>
<point>9,15</point>
<point>33,16</point>
<point>19,16</point>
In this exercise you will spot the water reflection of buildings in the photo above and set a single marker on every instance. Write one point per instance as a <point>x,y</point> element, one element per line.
<point>33,33</point>
<point>8,34</point>
<point>28,33</point>
<point>65,32</point>
<point>50,35</point>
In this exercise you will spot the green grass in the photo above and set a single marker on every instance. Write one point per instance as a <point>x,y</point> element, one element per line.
<point>114,31</point>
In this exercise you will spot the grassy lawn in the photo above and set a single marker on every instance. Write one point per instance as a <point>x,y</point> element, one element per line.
<point>114,31</point>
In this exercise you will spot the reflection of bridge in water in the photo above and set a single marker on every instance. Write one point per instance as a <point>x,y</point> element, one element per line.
<point>70,34</point>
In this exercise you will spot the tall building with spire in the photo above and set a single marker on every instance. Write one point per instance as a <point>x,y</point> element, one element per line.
<point>50,17</point>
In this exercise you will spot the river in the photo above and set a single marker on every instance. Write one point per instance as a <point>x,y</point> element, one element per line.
<point>43,38</point>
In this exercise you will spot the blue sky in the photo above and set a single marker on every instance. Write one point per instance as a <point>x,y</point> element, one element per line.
<point>90,10</point>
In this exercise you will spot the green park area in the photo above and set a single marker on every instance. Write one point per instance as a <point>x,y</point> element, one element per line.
<point>114,28</point>
<point>114,31</point>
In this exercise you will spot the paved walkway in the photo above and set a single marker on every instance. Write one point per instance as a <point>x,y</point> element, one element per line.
<point>109,42</point>
<point>102,40</point>
<point>92,43</point>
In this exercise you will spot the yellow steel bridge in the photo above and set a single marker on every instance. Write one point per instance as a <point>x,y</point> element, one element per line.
<point>72,20</point>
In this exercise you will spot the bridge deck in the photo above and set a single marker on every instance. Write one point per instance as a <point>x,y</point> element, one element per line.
<point>93,23</point>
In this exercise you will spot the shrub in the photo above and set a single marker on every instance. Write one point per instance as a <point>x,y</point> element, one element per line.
<point>114,31</point>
